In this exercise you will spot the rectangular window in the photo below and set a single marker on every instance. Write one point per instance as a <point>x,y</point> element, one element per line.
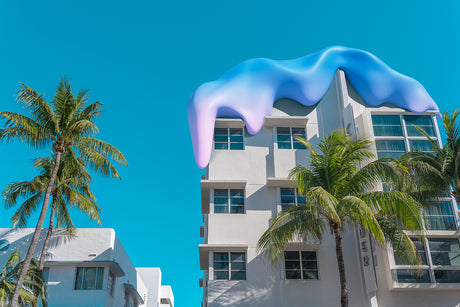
<point>89,278</point>
<point>421,250</point>
<point>228,138</point>
<point>291,197</point>
<point>228,201</point>
<point>440,216</point>
<point>229,266</point>
<point>444,251</point>
<point>301,265</point>
<point>412,276</point>
<point>286,137</point>
<point>424,122</point>
<point>390,148</point>
<point>387,125</point>
<point>110,283</point>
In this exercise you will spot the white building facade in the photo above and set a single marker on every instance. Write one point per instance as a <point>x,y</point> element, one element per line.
<point>90,269</point>
<point>246,183</point>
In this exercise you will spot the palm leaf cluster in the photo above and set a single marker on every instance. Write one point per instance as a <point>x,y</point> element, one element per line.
<point>343,188</point>
<point>33,289</point>
<point>66,124</point>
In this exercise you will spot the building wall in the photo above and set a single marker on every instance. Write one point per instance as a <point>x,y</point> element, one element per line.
<point>261,160</point>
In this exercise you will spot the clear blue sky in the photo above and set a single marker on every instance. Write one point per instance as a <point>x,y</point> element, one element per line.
<point>143,59</point>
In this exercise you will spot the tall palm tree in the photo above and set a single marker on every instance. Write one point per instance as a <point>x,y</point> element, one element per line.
<point>65,124</point>
<point>34,286</point>
<point>340,192</point>
<point>440,169</point>
<point>71,190</point>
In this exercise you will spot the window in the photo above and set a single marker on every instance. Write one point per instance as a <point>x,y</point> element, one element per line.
<point>301,265</point>
<point>424,122</point>
<point>229,266</point>
<point>440,216</point>
<point>228,201</point>
<point>387,125</point>
<point>443,252</point>
<point>110,283</point>
<point>286,137</point>
<point>228,138</point>
<point>46,274</point>
<point>129,301</point>
<point>89,278</point>
<point>291,197</point>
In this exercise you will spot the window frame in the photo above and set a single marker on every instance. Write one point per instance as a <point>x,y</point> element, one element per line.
<point>296,199</point>
<point>84,268</point>
<point>229,204</point>
<point>291,137</point>
<point>229,142</point>
<point>301,265</point>
<point>229,264</point>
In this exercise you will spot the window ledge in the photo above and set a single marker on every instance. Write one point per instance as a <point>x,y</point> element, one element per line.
<point>289,121</point>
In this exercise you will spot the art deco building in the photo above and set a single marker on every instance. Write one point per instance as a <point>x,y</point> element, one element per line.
<point>245,183</point>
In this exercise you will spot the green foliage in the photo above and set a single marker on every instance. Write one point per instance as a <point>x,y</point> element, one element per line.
<point>33,289</point>
<point>341,185</point>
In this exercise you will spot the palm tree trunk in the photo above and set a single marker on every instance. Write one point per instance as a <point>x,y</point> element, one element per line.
<point>341,264</point>
<point>35,237</point>
<point>48,234</point>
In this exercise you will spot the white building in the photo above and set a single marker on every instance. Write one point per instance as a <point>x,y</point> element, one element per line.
<point>91,269</point>
<point>246,183</point>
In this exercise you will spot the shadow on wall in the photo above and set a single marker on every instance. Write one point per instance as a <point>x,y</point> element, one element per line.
<point>252,292</point>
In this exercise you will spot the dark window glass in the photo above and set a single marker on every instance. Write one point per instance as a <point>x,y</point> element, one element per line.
<point>228,138</point>
<point>89,278</point>
<point>229,269</point>
<point>287,137</point>
<point>46,274</point>
<point>421,250</point>
<point>445,251</point>
<point>387,125</point>
<point>390,148</point>
<point>424,122</point>
<point>421,145</point>
<point>228,201</point>
<point>291,197</point>
<point>300,265</point>
<point>412,276</point>
<point>447,276</point>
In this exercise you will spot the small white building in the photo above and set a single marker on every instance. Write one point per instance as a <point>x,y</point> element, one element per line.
<point>246,182</point>
<point>91,269</point>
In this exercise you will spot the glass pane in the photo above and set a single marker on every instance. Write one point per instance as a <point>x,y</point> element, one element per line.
<point>221,275</point>
<point>237,209</point>
<point>236,146</point>
<point>220,145</point>
<point>384,120</point>
<point>388,131</point>
<point>441,223</point>
<point>220,265</point>
<point>220,209</point>
<point>298,132</point>
<point>310,274</point>
<point>221,256</point>
<point>89,278</point>
<point>390,145</point>
<point>447,276</point>
<point>297,145</point>
<point>295,274</point>
<point>292,265</point>
<point>439,208</point>
<point>221,139</point>
<point>45,274</point>
<point>238,266</point>
<point>236,132</point>
<point>412,131</point>
<point>421,250</point>
<point>79,279</point>
<point>309,256</point>
<point>309,265</point>
<point>445,251</point>
<point>284,207</point>
<point>412,276</point>
<point>238,275</point>
<point>392,154</point>
<point>444,244</point>
<point>238,257</point>
<point>291,255</point>
<point>421,145</point>
<point>287,196</point>
<point>100,278</point>
<point>283,130</point>
<point>284,138</point>
<point>418,120</point>
<point>284,145</point>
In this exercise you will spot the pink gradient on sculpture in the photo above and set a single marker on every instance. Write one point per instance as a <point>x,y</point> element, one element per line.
<point>249,90</point>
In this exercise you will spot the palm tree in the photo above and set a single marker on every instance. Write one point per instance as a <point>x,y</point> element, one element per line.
<point>439,169</point>
<point>66,124</point>
<point>34,286</point>
<point>71,190</point>
<point>340,192</point>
